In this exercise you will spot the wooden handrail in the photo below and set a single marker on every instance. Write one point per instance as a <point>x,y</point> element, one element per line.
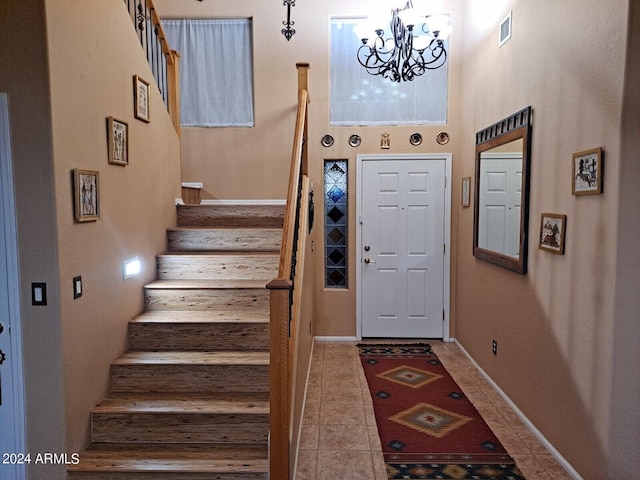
<point>294,182</point>
<point>285,295</point>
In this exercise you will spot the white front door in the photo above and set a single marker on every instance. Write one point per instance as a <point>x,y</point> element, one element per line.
<point>402,247</point>
<point>11,398</point>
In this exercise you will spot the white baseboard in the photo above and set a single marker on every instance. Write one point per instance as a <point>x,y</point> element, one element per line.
<point>337,339</point>
<point>547,444</point>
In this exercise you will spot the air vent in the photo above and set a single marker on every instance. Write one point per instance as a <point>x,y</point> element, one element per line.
<point>505,30</point>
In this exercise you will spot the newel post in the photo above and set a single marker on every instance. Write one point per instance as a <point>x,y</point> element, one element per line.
<point>279,389</point>
<point>173,80</point>
<point>303,84</point>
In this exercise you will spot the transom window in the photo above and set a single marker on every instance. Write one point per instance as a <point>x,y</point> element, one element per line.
<point>358,98</point>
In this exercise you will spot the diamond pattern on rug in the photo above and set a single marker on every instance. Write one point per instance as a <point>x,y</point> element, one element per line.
<point>430,419</point>
<point>409,376</point>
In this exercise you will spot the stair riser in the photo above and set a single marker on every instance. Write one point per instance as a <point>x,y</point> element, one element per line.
<point>217,267</point>
<point>190,378</point>
<point>266,216</point>
<point>157,475</point>
<point>205,299</point>
<point>192,428</point>
<point>198,336</point>
<point>224,240</point>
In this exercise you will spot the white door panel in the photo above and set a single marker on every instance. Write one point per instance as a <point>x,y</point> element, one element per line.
<point>403,207</point>
<point>11,397</point>
<point>500,204</point>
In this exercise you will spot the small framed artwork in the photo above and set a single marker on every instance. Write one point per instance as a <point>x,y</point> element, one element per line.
<point>587,172</point>
<point>141,96</point>
<point>466,190</point>
<point>86,190</point>
<point>552,227</point>
<point>118,141</point>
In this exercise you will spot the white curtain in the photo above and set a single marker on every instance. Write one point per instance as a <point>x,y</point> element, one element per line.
<point>358,98</point>
<point>216,72</point>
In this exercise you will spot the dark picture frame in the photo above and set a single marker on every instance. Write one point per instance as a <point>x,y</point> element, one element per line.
<point>552,232</point>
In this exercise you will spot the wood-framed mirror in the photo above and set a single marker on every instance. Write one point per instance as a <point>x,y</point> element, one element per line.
<point>501,209</point>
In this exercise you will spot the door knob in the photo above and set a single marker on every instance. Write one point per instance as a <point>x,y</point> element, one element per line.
<point>368,260</point>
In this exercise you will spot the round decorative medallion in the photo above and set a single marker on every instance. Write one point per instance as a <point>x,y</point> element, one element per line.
<point>415,139</point>
<point>354,140</point>
<point>442,138</point>
<point>327,141</point>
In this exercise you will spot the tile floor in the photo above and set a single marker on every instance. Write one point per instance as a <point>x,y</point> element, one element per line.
<point>339,439</point>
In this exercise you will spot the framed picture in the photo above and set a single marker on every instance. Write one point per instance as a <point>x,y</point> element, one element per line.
<point>587,172</point>
<point>552,227</point>
<point>86,189</point>
<point>141,96</point>
<point>118,141</point>
<point>466,190</point>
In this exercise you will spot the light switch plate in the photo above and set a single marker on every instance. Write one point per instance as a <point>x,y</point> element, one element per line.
<point>77,287</point>
<point>38,294</point>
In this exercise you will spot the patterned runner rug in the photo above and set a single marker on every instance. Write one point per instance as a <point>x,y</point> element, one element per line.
<point>428,428</point>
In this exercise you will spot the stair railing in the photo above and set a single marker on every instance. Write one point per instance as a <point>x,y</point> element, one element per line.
<point>163,61</point>
<point>286,297</point>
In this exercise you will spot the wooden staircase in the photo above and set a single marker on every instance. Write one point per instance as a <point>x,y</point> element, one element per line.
<point>190,398</point>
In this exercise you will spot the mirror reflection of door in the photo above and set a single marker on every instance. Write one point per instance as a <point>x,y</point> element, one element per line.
<point>501,210</point>
<point>500,202</point>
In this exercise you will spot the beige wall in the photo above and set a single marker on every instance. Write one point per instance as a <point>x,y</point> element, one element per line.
<point>92,66</point>
<point>624,433</point>
<point>24,76</point>
<point>557,326</point>
<point>554,326</point>
<point>67,66</point>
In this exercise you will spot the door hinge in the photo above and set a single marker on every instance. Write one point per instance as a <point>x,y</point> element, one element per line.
<point>444,248</point>
<point>444,317</point>
<point>445,182</point>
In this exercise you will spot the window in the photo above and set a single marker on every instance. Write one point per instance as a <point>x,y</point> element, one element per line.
<point>358,98</point>
<point>216,72</point>
<point>335,223</point>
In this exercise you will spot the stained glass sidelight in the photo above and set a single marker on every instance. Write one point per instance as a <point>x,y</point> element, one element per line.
<point>335,223</point>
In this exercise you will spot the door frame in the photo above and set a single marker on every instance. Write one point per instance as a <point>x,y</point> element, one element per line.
<point>10,231</point>
<point>447,157</point>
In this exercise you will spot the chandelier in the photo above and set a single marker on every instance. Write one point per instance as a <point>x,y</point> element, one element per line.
<point>415,44</point>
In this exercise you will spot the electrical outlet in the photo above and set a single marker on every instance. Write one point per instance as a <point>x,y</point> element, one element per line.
<point>494,347</point>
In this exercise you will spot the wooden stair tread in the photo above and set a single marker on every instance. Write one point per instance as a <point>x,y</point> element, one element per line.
<point>132,457</point>
<point>251,357</point>
<point>219,253</point>
<point>220,315</point>
<point>204,284</point>
<point>198,228</point>
<point>228,403</point>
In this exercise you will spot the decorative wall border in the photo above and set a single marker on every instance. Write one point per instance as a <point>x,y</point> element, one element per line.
<point>513,122</point>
